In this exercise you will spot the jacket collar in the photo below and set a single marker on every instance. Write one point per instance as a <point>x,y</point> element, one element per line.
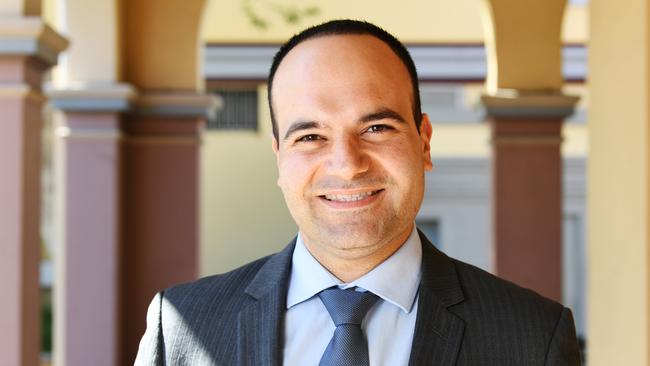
<point>438,331</point>
<point>260,331</point>
<point>274,272</point>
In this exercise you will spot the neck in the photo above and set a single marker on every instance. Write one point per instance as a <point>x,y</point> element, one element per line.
<point>350,264</point>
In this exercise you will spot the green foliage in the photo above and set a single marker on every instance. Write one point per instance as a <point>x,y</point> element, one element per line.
<point>46,323</point>
<point>289,13</point>
<point>256,20</point>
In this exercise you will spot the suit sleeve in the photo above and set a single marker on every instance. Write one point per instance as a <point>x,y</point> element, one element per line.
<point>151,351</point>
<point>564,349</point>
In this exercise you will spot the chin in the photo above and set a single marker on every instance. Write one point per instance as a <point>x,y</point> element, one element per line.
<point>355,237</point>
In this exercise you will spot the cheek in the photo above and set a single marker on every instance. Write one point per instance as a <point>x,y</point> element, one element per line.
<point>293,172</point>
<point>401,158</point>
<point>405,167</point>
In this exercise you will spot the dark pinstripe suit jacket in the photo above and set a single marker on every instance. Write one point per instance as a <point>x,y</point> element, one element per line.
<point>466,316</point>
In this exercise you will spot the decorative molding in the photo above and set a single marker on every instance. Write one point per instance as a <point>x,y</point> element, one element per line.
<point>237,62</point>
<point>31,36</point>
<point>161,141</point>
<point>527,141</point>
<point>176,104</point>
<point>513,103</point>
<point>434,62</point>
<point>120,97</point>
<point>107,97</point>
<point>88,133</point>
<point>21,90</point>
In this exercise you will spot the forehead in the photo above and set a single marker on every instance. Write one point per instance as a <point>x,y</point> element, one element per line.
<point>340,69</point>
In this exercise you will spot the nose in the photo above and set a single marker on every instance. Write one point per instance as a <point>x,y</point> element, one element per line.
<point>347,158</point>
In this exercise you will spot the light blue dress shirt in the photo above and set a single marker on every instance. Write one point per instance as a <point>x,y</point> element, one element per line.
<point>389,325</point>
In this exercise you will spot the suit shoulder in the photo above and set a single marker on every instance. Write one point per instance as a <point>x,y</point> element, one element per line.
<point>487,290</point>
<point>506,324</point>
<point>223,284</point>
<point>202,316</point>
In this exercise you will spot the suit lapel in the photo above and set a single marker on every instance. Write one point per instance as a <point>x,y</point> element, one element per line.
<point>438,331</point>
<point>260,323</point>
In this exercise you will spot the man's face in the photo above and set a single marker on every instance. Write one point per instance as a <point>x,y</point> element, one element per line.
<point>350,159</point>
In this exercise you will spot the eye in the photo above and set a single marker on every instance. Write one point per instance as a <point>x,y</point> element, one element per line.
<point>309,138</point>
<point>378,128</point>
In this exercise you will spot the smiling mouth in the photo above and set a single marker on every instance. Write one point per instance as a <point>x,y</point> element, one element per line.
<point>350,197</point>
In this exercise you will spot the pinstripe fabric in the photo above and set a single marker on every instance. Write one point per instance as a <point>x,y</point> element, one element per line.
<point>228,319</point>
<point>465,317</point>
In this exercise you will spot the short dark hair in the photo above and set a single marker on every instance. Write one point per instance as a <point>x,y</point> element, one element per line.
<point>345,27</point>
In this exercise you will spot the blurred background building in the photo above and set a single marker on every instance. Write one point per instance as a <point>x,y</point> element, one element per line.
<point>146,124</point>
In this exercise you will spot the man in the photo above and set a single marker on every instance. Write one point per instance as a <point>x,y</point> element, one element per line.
<point>359,285</point>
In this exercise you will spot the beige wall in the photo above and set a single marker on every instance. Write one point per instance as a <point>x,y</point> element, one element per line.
<point>619,132</point>
<point>427,21</point>
<point>243,214</point>
<point>473,140</point>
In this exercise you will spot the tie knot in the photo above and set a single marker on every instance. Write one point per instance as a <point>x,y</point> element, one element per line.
<point>347,306</point>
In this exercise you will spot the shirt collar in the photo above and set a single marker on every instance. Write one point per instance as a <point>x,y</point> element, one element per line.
<point>395,280</point>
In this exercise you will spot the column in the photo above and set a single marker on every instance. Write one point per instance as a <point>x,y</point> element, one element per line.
<point>525,109</point>
<point>91,97</point>
<point>160,202</point>
<point>28,47</point>
<point>87,271</point>
<point>527,187</point>
<point>618,195</point>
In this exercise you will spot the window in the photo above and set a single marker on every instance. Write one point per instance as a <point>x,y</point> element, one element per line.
<point>239,110</point>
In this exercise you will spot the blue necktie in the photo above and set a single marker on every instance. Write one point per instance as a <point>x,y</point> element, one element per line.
<point>347,308</point>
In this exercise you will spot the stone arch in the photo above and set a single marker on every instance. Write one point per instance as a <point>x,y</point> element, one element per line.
<point>150,27</point>
<point>523,33</point>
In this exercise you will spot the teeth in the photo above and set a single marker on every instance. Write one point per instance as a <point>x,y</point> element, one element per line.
<point>348,197</point>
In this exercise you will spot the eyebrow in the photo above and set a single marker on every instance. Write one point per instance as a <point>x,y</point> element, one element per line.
<point>383,113</point>
<point>299,126</point>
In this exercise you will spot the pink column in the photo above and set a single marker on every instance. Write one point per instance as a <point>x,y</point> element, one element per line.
<point>21,103</point>
<point>87,317</point>
<point>88,278</point>
<point>527,189</point>
<point>160,203</point>
<point>87,263</point>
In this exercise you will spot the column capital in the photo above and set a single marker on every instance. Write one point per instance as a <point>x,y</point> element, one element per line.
<point>509,103</point>
<point>31,36</point>
<point>92,97</point>
<point>176,104</point>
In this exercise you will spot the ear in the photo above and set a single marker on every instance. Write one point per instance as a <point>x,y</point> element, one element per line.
<point>276,150</point>
<point>274,145</point>
<point>425,137</point>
